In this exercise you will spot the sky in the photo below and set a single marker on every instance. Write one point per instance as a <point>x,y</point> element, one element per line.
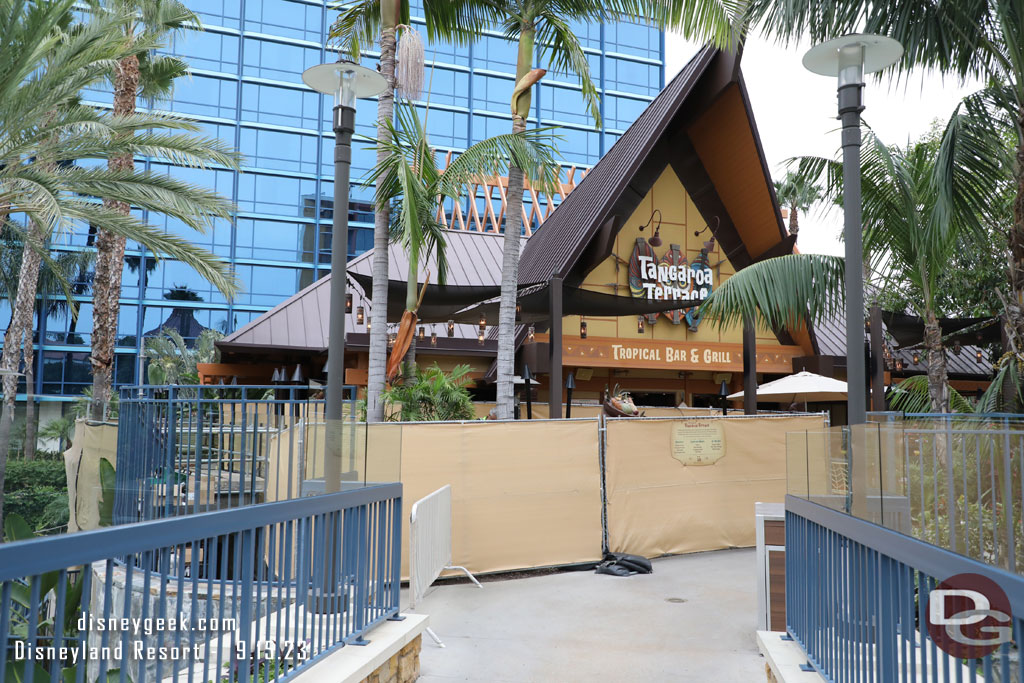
<point>795,112</point>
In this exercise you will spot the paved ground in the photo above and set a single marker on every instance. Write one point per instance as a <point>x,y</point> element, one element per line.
<point>580,626</point>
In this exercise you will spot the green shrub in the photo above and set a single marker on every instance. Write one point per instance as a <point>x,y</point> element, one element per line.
<point>25,474</point>
<point>32,504</point>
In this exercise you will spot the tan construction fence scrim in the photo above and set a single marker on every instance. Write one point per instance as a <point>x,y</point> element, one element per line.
<point>524,494</point>
<point>658,505</point>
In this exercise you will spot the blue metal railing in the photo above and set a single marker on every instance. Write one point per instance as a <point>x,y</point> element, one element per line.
<point>257,593</point>
<point>857,601</point>
<point>190,449</point>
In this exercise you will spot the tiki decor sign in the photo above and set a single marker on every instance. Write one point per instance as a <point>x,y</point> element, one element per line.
<point>671,278</point>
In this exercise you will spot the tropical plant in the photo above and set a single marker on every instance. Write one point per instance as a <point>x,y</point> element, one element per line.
<point>797,193</point>
<point>44,132</point>
<point>136,74</point>
<point>362,22</point>
<point>920,203</point>
<point>61,429</point>
<point>173,361</point>
<point>56,272</point>
<point>434,396</point>
<point>981,39</point>
<point>542,30</point>
<point>409,180</point>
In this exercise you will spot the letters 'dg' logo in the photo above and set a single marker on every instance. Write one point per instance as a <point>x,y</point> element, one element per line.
<point>969,616</point>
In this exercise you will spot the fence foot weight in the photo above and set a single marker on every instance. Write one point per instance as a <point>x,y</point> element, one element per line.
<point>396,617</point>
<point>359,641</point>
<point>786,637</point>
<point>806,666</point>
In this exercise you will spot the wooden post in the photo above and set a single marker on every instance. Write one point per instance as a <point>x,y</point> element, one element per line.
<point>877,359</point>
<point>749,367</point>
<point>555,348</point>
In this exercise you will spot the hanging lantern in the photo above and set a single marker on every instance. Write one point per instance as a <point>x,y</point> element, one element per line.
<point>348,302</point>
<point>391,339</point>
<point>451,328</point>
<point>433,338</point>
<point>640,325</point>
<point>360,315</point>
<point>519,312</point>
<point>917,357</point>
<point>483,321</point>
<point>530,334</point>
<point>480,337</point>
<point>422,335</point>
<point>899,364</point>
<point>980,355</point>
<point>368,325</point>
<point>957,348</point>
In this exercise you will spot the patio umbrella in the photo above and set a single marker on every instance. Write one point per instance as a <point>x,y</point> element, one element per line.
<point>802,387</point>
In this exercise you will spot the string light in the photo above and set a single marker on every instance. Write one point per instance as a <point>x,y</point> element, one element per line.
<point>483,321</point>
<point>451,328</point>
<point>433,338</point>
<point>530,334</point>
<point>348,302</point>
<point>583,329</point>
<point>480,337</point>
<point>360,315</point>
<point>422,335</point>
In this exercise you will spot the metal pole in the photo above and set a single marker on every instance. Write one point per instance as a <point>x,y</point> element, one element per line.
<point>344,125</point>
<point>877,360</point>
<point>555,349</point>
<point>749,367</point>
<point>850,107</point>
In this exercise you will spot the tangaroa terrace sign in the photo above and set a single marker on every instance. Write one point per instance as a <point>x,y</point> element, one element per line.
<point>671,278</point>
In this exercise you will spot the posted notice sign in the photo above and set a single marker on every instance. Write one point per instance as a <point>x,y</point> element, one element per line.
<point>697,442</point>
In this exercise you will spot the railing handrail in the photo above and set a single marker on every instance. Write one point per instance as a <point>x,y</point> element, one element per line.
<point>922,556</point>
<point>26,558</point>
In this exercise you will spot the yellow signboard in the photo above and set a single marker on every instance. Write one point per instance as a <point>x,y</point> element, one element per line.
<point>698,442</point>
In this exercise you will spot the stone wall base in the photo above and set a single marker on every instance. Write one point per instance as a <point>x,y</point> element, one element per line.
<point>403,667</point>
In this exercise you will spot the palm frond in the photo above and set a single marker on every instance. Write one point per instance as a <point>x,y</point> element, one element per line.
<point>784,292</point>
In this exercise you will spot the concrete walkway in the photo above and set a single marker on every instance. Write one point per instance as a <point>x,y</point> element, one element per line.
<point>693,619</point>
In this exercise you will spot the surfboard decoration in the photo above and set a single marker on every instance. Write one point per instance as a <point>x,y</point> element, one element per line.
<point>674,257</point>
<point>702,279</point>
<point>636,279</point>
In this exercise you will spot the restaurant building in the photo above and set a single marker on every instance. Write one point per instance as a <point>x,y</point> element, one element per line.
<point>610,281</point>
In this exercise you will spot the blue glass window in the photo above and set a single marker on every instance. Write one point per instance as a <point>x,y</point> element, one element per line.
<point>276,195</point>
<point>188,321</point>
<point>278,150</point>
<point>270,285</point>
<point>579,146</point>
<point>492,93</point>
<point>588,33</point>
<point>278,61</point>
<point>205,96</point>
<point>218,12</point>
<point>207,50</point>
<point>495,53</point>
<point>275,240</point>
<point>633,39</point>
<point>446,128</point>
<point>488,126</point>
<point>635,77</point>
<point>174,281</point>
<point>564,105</point>
<point>282,106</point>
<point>287,19</point>
<point>445,86</point>
<point>441,51</point>
<point>621,112</point>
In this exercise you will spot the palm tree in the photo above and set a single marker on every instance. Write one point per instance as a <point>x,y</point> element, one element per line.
<point>54,284</point>
<point>919,203</point>
<point>981,39</point>
<point>798,194</point>
<point>44,132</point>
<point>362,21</point>
<point>541,28</point>
<point>409,180</point>
<point>136,74</point>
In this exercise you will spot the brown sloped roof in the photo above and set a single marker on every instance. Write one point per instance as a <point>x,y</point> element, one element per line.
<point>301,322</point>
<point>557,245</point>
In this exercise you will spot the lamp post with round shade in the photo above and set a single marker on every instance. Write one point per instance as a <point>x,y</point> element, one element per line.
<point>848,58</point>
<point>345,81</point>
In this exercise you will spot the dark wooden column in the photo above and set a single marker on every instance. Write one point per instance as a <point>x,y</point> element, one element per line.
<point>877,359</point>
<point>749,367</point>
<point>555,348</point>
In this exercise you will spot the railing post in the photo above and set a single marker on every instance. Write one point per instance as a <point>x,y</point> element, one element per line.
<point>169,449</point>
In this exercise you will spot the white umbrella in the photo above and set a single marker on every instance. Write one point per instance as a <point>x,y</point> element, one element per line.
<point>800,388</point>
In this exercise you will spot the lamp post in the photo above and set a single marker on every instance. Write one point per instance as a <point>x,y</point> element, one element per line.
<point>346,81</point>
<point>570,384</point>
<point>849,58</point>
<point>723,393</point>
<point>527,382</point>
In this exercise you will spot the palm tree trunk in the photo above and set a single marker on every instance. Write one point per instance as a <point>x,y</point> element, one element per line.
<point>938,380</point>
<point>110,259</point>
<point>29,451</point>
<point>381,220</point>
<point>794,222</point>
<point>513,230</point>
<point>1015,308</point>
<point>19,328</point>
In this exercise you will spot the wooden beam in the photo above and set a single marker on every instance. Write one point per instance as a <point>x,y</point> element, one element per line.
<point>555,349</point>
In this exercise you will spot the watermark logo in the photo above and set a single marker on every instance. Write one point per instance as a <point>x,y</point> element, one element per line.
<point>969,616</point>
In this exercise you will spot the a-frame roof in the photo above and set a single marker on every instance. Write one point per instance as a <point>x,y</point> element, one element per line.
<point>672,131</point>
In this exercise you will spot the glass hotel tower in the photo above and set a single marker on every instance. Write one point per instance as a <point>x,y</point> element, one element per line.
<point>246,89</point>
